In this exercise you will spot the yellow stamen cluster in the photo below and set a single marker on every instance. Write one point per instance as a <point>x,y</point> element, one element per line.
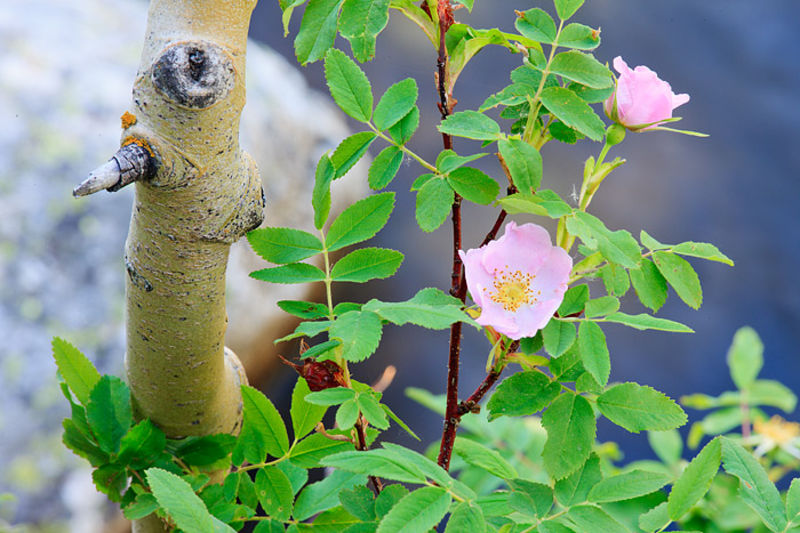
<point>512,289</point>
<point>777,430</point>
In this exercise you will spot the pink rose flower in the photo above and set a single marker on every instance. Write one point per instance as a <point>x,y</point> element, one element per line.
<point>642,99</point>
<point>518,280</point>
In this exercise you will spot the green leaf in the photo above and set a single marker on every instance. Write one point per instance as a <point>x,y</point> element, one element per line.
<point>350,151</point>
<point>76,369</point>
<point>574,300</point>
<point>568,367</point>
<point>324,494</point>
<point>434,201</point>
<point>274,492</point>
<point>360,221</point>
<point>289,274</point>
<point>347,415</point>
<point>650,285</point>
<point>473,185</point>
<point>530,498</point>
<point>309,451</point>
<point>448,160</point>
<point>417,512</point>
<point>589,519</point>
<point>558,336</point>
<point>109,412</point>
<point>575,488</point>
<point>524,393</point>
<point>359,502</point>
<point>616,279</point>
<point>283,245</point>
<point>581,68</point>
<point>478,455</point>
<point>695,480</point>
<point>668,445</point>
<point>110,479</point>
<point>536,24</point>
<point>348,84</point>
<point>745,357</point>
<point>178,499</point>
<point>702,250</point>
<point>650,242</point>
<point>793,501</point>
<point>378,462</point>
<point>317,31</point>
<point>636,407</point>
<point>305,415</point>
<point>567,8</point>
<point>142,445</point>
<point>302,309</point>
<point>617,246</point>
<point>594,351</point>
<point>466,516</point>
<point>574,112</point>
<point>581,37</point>
<point>472,125</point>
<point>205,450</point>
<point>524,164</point>
<point>385,167</point>
<point>332,396</point>
<point>396,103</point>
<point>360,333</point>
<point>269,526</point>
<point>366,264</point>
<point>628,485</point>
<point>545,203</point>
<point>398,421</point>
<point>288,7</point>
<point>263,431</point>
<point>772,393</point>
<point>372,411</point>
<point>306,329</point>
<point>388,498</point>
<point>321,195</point>
<point>605,305</point>
<point>680,274</point>
<point>432,316</point>
<point>571,428</point>
<point>655,519</point>
<point>404,129</point>
<point>642,322</point>
<point>360,23</point>
<point>755,488</point>
<point>144,505</point>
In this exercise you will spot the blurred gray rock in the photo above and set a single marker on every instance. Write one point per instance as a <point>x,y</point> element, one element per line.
<point>66,70</point>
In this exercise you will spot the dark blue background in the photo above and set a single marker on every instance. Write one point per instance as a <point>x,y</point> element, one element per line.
<point>738,189</point>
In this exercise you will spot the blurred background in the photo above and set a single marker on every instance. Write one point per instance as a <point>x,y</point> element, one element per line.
<point>65,74</point>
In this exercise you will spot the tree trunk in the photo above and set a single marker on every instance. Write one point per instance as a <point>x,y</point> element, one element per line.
<point>196,193</point>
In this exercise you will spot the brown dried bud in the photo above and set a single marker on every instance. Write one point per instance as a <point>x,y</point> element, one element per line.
<point>320,375</point>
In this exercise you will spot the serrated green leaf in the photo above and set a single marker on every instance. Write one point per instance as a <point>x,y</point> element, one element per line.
<point>306,329</point>
<point>416,512</point>
<point>574,112</point>
<point>594,351</point>
<point>571,428</point>
<point>359,502</point>
<point>350,151</point>
<point>378,462</point>
<point>348,84</point>
<point>317,30</point>
<point>360,23</point>
<point>642,322</point>
<point>702,250</point>
<point>478,455</point>
<point>274,492</point>
<point>109,412</point>
<point>755,487</point>
<point>388,498</point>
<point>581,68</point>
<point>637,407</point>
<point>360,333</point>
<point>605,305</point>
<point>290,274</point>
<point>536,24</point>
<point>309,451</point>
<point>523,393</point>
<point>745,357</point>
<point>590,519</point>
<point>404,128</point>
<point>110,479</point>
<point>650,285</point>
<point>558,336</point>
<point>655,519</point>
<point>473,185</point>
<point>332,396</point>
<point>472,125</point>
<point>305,415</point>
<point>575,487</point>
<point>524,163</point>
<point>793,501</point>
<point>617,246</point>
<point>544,203</point>
<point>263,430</point>
<point>324,494</point>
<point>567,8</point>
<point>579,36</point>
<point>417,313</point>
<point>398,421</point>
<point>466,516</point>
<point>321,195</point>
<point>205,450</point>
<point>668,445</point>
<point>283,245</point>
<point>615,279</point>
<point>448,160</point>
<point>434,201</point>
<point>76,369</point>
<point>360,221</point>
<point>144,505</point>
<point>384,167</point>
<point>396,103</point>
<point>367,263</point>
<point>628,485</point>
<point>77,441</point>
<point>372,411</point>
<point>534,499</point>
<point>695,480</point>
<point>568,367</point>
<point>680,274</point>
<point>177,498</point>
<point>308,310</point>
<point>574,300</point>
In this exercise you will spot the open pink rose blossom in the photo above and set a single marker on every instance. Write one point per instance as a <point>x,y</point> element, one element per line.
<point>518,280</point>
<point>642,99</point>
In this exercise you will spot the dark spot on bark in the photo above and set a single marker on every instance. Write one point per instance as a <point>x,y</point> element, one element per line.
<point>194,74</point>
<point>137,279</point>
<point>195,422</point>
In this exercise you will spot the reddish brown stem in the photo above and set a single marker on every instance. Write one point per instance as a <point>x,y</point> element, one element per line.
<point>468,405</point>
<point>377,484</point>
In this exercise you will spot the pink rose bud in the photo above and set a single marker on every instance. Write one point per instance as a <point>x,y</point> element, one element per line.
<point>518,280</point>
<point>641,100</point>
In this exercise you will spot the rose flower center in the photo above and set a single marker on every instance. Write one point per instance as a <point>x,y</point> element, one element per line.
<point>512,290</point>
